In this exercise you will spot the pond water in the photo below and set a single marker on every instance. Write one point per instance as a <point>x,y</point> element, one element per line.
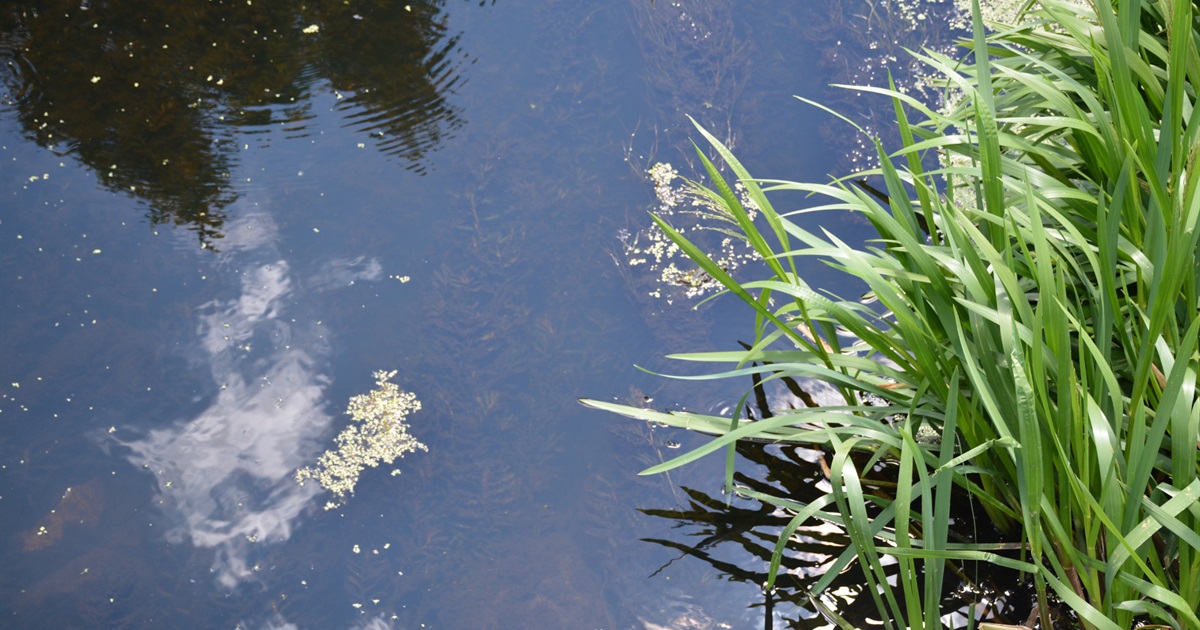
<point>219,219</point>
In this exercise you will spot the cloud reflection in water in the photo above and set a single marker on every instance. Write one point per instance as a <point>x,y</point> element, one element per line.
<point>225,477</point>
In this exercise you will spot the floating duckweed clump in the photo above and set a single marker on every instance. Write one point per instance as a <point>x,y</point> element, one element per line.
<point>381,437</point>
<point>694,209</point>
<point>1002,11</point>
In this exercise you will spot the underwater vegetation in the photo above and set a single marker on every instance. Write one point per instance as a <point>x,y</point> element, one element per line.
<point>1028,341</point>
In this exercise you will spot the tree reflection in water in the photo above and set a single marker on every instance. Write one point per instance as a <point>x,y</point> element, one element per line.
<point>157,99</point>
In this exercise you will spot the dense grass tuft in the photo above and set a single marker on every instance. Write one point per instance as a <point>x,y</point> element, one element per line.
<point>1039,316</point>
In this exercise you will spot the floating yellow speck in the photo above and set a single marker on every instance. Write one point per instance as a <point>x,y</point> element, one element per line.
<point>312,29</point>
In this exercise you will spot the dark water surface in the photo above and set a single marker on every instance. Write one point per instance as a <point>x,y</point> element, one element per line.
<point>217,220</point>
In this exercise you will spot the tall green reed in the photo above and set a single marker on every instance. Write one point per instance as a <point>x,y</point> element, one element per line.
<point>1040,314</point>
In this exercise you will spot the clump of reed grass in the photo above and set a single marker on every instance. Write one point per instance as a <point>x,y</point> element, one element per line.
<point>1041,314</point>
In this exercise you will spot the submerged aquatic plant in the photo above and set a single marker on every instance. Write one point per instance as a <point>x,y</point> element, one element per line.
<point>381,437</point>
<point>1031,330</point>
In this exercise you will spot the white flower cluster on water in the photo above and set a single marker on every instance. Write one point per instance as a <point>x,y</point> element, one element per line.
<point>378,434</point>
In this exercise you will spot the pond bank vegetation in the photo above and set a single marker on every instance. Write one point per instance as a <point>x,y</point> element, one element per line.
<point>1029,338</point>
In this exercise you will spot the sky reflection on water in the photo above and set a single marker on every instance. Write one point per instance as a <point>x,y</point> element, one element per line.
<point>225,477</point>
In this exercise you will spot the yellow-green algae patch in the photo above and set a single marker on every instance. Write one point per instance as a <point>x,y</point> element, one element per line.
<point>377,434</point>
